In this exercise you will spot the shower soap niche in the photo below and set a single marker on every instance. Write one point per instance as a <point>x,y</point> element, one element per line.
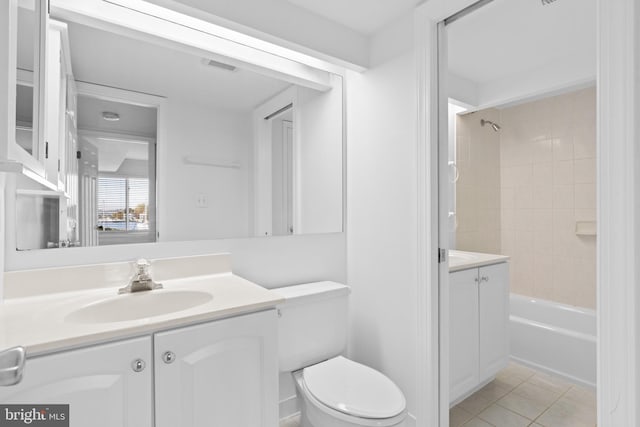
<point>585,228</point>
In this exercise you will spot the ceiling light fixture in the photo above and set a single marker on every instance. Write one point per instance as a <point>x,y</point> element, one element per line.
<point>110,116</point>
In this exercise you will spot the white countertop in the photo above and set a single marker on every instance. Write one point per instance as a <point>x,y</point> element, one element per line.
<point>462,260</point>
<point>38,323</point>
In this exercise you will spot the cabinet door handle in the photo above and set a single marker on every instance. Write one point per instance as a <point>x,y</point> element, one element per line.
<point>169,357</point>
<point>138,365</point>
<point>12,366</point>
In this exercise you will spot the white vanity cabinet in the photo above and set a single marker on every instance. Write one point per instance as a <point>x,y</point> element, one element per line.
<point>99,383</point>
<point>218,374</point>
<point>478,326</point>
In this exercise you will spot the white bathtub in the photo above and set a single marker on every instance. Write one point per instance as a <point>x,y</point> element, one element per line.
<point>554,337</point>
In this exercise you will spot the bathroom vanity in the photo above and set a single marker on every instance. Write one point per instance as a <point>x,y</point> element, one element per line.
<point>478,320</point>
<point>213,363</point>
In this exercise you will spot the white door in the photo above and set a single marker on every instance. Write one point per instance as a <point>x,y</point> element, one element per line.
<point>463,332</point>
<point>494,318</point>
<point>218,374</point>
<point>99,384</point>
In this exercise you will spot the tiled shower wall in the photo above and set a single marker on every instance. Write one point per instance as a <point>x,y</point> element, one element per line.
<point>478,185</point>
<point>547,183</point>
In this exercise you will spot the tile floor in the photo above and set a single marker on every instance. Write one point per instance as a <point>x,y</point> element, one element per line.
<point>520,396</point>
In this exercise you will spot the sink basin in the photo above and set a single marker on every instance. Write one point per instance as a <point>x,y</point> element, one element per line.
<point>138,305</point>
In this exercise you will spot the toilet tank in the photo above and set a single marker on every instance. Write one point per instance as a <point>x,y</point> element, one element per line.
<point>312,323</point>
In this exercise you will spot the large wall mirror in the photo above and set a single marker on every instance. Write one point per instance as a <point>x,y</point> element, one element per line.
<point>163,142</point>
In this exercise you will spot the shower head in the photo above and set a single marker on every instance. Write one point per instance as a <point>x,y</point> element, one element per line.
<point>494,126</point>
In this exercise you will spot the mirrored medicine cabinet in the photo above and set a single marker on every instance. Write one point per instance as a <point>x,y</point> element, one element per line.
<point>132,126</point>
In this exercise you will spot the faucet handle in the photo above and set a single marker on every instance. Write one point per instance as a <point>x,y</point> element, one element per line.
<point>142,266</point>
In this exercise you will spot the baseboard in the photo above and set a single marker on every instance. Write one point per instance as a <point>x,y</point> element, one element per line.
<point>550,371</point>
<point>288,407</point>
<point>410,421</point>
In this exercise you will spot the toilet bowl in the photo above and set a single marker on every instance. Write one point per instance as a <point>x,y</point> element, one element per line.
<point>342,393</point>
<point>333,391</point>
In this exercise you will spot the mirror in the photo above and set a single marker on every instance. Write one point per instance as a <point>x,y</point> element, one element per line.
<point>162,144</point>
<point>27,81</point>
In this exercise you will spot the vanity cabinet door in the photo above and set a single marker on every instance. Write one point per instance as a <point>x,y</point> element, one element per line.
<point>99,383</point>
<point>494,318</point>
<point>463,332</point>
<point>218,374</point>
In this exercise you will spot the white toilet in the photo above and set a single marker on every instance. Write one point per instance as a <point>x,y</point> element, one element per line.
<point>334,391</point>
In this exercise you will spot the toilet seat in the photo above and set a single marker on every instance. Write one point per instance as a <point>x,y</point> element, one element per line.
<point>350,390</point>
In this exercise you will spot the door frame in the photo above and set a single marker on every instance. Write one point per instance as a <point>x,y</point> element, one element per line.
<point>618,187</point>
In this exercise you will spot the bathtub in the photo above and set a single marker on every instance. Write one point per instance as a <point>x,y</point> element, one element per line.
<point>554,337</point>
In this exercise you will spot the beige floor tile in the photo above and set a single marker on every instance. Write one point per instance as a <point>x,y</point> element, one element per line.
<point>519,371</point>
<point>502,417</point>
<point>507,380</point>
<point>539,395</point>
<point>475,403</point>
<point>293,421</point>
<point>568,411</point>
<point>458,416</point>
<point>549,382</point>
<point>477,422</point>
<point>494,391</point>
<point>582,395</point>
<point>524,406</point>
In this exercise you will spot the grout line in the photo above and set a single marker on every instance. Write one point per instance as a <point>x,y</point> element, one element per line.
<point>553,403</point>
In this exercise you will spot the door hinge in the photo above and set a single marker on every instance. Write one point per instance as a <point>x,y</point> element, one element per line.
<point>78,154</point>
<point>58,165</point>
<point>49,7</point>
<point>442,255</point>
<point>46,149</point>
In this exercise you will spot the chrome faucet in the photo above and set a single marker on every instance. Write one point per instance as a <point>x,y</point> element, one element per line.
<point>141,281</point>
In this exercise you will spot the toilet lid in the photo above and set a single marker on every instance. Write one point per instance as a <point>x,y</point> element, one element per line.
<point>354,389</point>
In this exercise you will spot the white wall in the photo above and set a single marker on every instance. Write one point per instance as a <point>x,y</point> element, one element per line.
<point>382,206</point>
<point>209,135</point>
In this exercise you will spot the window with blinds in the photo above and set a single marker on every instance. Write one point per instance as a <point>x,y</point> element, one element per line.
<point>123,204</point>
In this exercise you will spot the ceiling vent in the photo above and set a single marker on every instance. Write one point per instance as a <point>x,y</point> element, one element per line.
<point>217,64</point>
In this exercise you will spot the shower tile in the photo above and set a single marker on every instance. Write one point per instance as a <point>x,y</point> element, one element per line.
<point>584,142</point>
<point>543,174</point>
<point>584,171</point>
<point>542,197</point>
<point>524,197</point>
<point>563,148</point>
<point>542,151</point>
<point>563,172</point>
<point>563,197</point>
<point>585,196</point>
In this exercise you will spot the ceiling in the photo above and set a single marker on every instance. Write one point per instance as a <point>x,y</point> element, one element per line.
<point>508,38</point>
<point>363,16</point>
<point>110,59</point>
